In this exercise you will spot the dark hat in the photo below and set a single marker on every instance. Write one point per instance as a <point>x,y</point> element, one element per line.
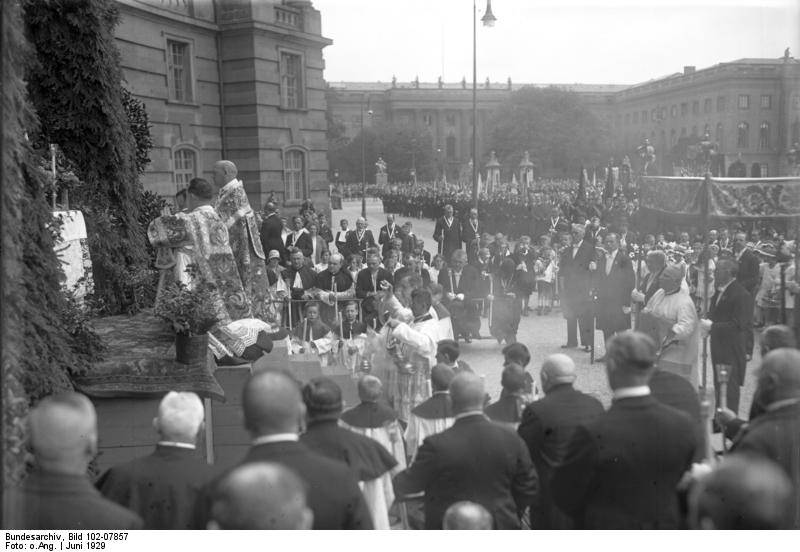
<point>322,397</point>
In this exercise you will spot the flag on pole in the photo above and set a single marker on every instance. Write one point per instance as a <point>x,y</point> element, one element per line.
<point>582,184</point>
<point>609,190</point>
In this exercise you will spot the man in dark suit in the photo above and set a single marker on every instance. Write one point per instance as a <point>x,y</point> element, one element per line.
<point>616,281</point>
<point>460,285</point>
<point>474,460</point>
<point>387,233</point>
<point>748,276</point>
<point>163,486</point>
<point>507,410</point>
<point>300,279</point>
<point>360,239</point>
<point>729,317</point>
<point>775,434</point>
<point>547,428</point>
<point>273,414</point>
<point>368,287</point>
<point>299,238</point>
<point>471,232</point>
<point>621,470</point>
<point>575,268</point>
<point>676,391</point>
<point>447,233</point>
<point>57,494</point>
<point>271,230</point>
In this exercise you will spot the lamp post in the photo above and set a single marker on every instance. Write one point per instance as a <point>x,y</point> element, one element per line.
<point>363,160</point>
<point>488,20</point>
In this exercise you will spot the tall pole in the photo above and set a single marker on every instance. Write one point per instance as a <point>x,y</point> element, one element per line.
<point>363,165</point>
<point>474,104</point>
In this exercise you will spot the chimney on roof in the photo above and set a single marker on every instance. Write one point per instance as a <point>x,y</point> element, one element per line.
<point>688,69</point>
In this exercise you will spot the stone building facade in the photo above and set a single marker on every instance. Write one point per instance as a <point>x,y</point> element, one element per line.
<point>230,79</point>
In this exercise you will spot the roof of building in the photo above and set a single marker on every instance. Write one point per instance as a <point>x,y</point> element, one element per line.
<point>385,86</point>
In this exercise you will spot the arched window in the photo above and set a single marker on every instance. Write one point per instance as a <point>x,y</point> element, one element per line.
<point>719,136</point>
<point>294,174</point>
<point>672,137</point>
<point>184,166</point>
<point>742,135</point>
<point>763,136</point>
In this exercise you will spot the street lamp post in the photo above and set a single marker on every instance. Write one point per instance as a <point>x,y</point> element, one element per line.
<point>488,20</point>
<point>363,161</point>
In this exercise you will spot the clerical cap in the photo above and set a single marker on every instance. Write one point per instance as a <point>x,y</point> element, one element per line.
<point>323,397</point>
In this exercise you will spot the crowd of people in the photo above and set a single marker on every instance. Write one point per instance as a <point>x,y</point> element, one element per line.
<point>426,447</point>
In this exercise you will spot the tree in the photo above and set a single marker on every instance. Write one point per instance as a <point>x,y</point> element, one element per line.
<point>402,147</point>
<point>75,85</point>
<point>553,124</point>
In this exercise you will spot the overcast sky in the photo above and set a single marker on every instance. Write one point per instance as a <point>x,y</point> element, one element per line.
<point>550,41</point>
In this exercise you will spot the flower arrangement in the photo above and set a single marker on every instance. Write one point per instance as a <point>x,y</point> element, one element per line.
<point>190,311</point>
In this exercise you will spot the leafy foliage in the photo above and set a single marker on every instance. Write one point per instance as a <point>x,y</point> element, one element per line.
<point>560,132</point>
<point>188,311</point>
<point>75,87</point>
<point>139,123</point>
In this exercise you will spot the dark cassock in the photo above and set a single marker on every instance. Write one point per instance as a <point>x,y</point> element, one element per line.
<point>271,230</point>
<point>339,284</point>
<point>464,311</point>
<point>448,235</point>
<point>359,241</point>
<point>731,313</point>
<point>471,232</point>
<point>301,239</point>
<point>161,487</point>
<point>508,289</point>
<point>368,283</point>
<point>615,281</point>
<point>299,281</point>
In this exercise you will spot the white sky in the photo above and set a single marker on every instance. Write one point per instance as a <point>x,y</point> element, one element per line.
<point>550,41</point>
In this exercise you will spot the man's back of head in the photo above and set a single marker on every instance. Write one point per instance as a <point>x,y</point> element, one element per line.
<point>467,515</point>
<point>63,433</point>
<point>558,369</point>
<point>518,353</point>
<point>180,417</point>
<point>448,351</point>
<point>260,496</point>
<point>272,404</point>
<point>467,393</point>
<point>743,492</point>
<point>777,337</point>
<point>513,378</point>
<point>630,358</point>
<point>323,399</point>
<point>779,376</point>
<point>441,376</point>
<point>370,388</point>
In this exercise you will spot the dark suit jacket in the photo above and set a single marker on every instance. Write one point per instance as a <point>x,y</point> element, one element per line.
<point>748,274</point>
<point>505,410</point>
<point>303,243</point>
<point>342,247</point>
<point>775,435</point>
<point>677,392</point>
<point>271,235</point>
<point>364,286</point>
<point>359,247</point>
<point>547,428</point>
<point>161,487</point>
<point>468,283</point>
<point>471,238</point>
<point>333,493</point>
<point>449,237</point>
<point>473,460</point>
<point>621,470</point>
<point>577,279</point>
<point>57,501</point>
<point>730,317</point>
<point>614,292</point>
<point>307,276</point>
<point>385,241</point>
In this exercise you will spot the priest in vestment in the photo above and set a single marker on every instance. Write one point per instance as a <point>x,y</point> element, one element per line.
<point>433,415</point>
<point>332,286</point>
<point>245,241</point>
<point>670,318</point>
<point>350,339</point>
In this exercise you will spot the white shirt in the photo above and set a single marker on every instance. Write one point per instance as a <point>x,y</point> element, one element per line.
<point>721,291</point>
<point>176,444</point>
<point>630,392</point>
<point>610,261</point>
<point>468,414</point>
<point>275,438</point>
<point>298,281</point>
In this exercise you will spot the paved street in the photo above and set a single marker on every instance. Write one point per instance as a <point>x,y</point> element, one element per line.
<point>543,335</point>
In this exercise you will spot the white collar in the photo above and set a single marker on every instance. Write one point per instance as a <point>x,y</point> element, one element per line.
<point>630,392</point>
<point>441,392</point>
<point>468,414</point>
<point>176,444</point>
<point>230,185</point>
<point>721,290</point>
<point>298,233</point>
<point>275,438</point>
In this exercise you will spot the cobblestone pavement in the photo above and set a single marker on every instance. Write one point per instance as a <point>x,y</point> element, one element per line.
<point>543,335</point>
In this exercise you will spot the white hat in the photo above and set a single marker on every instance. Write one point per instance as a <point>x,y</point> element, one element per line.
<point>273,254</point>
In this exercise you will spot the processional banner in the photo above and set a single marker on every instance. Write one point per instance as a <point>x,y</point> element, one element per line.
<point>754,197</point>
<point>674,195</point>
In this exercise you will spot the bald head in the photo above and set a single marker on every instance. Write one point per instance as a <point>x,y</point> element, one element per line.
<point>467,515</point>
<point>466,392</point>
<point>557,369</point>
<point>180,416</point>
<point>63,432</point>
<point>272,404</point>
<point>630,358</point>
<point>779,376</point>
<point>260,496</point>
<point>224,172</point>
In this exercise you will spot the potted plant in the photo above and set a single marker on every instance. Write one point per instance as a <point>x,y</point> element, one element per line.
<point>191,313</point>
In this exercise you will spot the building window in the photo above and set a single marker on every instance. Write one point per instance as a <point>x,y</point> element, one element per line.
<point>718,136</point>
<point>720,104</point>
<point>742,138</point>
<point>451,147</point>
<point>707,105</point>
<point>644,116</point>
<point>673,111</point>
<point>764,170</point>
<point>766,101</point>
<point>179,71</point>
<point>291,67</point>
<point>450,118</point>
<point>763,136</point>
<point>706,129</point>
<point>185,167</point>
<point>635,117</point>
<point>672,138</point>
<point>427,118</point>
<point>653,115</point>
<point>294,174</point>
<point>696,107</point>
<point>684,109</point>
<point>744,101</point>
